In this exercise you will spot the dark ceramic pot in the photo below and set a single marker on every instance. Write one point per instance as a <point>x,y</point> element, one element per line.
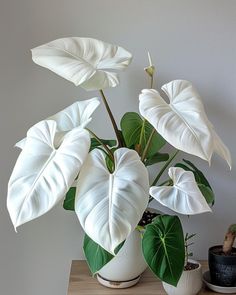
<point>222,267</point>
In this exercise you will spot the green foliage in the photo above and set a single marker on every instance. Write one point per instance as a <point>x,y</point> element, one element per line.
<point>232,229</point>
<point>110,164</point>
<point>95,143</point>
<point>69,202</point>
<point>164,249</point>
<point>201,180</point>
<point>187,245</point>
<point>117,249</point>
<point>95,255</point>
<point>207,193</point>
<point>150,70</point>
<point>132,127</point>
<point>156,158</point>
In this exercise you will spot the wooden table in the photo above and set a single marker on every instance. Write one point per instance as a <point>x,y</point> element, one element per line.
<point>82,283</point>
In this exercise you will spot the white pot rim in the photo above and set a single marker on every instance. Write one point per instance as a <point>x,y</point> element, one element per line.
<point>195,262</point>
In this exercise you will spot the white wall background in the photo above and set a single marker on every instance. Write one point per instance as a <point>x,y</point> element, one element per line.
<point>192,40</point>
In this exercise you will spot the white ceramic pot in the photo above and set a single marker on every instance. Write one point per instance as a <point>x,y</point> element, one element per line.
<point>190,282</point>
<point>125,269</point>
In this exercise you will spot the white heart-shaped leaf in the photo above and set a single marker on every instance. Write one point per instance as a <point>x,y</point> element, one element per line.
<point>43,174</point>
<point>182,122</point>
<point>75,115</point>
<point>219,147</point>
<point>184,196</point>
<point>20,144</point>
<point>84,61</point>
<point>110,205</point>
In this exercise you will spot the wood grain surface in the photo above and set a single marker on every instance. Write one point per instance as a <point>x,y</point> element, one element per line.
<point>82,283</point>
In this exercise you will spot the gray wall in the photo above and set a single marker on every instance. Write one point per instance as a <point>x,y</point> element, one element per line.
<point>192,40</point>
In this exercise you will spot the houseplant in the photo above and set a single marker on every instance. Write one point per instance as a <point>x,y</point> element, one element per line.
<point>111,176</point>
<point>190,282</point>
<point>222,260</point>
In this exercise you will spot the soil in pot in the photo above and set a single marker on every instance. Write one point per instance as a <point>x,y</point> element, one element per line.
<point>147,217</point>
<point>222,266</point>
<point>191,265</point>
<point>218,251</point>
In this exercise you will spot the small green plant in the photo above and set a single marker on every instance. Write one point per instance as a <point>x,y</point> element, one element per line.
<point>187,244</point>
<point>229,239</point>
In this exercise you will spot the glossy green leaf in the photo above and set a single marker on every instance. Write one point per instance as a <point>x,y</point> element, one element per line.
<point>110,165</point>
<point>69,202</point>
<point>96,256</point>
<point>163,248</point>
<point>199,173</point>
<point>157,158</point>
<point>201,180</point>
<point>207,193</point>
<point>95,143</point>
<point>131,126</point>
<point>117,249</point>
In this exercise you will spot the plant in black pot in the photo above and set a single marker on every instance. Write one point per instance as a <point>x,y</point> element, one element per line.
<point>222,260</point>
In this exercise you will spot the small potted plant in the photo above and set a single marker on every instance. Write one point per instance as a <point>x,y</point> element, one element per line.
<point>190,281</point>
<point>222,260</point>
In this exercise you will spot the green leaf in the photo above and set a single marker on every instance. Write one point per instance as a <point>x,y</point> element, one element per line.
<point>232,229</point>
<point>95,143</point>
<point>150,70</point>
<point>96,256</point>
<point>201,181</point>
<point>69,202</point>
<point>157,158</point>
<point>110,164</point>
<point>131,127</point>
<point>117,249</point>
<point>199,173</point>
<point>188,237</point>
<point>184,167</point>
<point>163,248</point>
<point>207,193</point>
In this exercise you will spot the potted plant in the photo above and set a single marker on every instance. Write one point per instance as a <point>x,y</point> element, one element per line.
<point>222,260</point>
<point>190,282</point>
<point>106,181</point>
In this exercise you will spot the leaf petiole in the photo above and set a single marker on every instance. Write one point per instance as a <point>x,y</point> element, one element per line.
<point>109,153</point>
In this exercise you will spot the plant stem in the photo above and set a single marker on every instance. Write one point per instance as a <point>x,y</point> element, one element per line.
<point>119,139</point>
<point>148,145</point>
<point>142,133</point>
<point>143,130</point>
<point>152,79</point>
<point>164,167</point>
<point>186,250</point>
<point>168,181</point>
<point>229,239</point>
<point>99,140</point>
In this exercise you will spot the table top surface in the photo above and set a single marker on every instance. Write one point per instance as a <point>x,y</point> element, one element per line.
<point>81,282</point>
